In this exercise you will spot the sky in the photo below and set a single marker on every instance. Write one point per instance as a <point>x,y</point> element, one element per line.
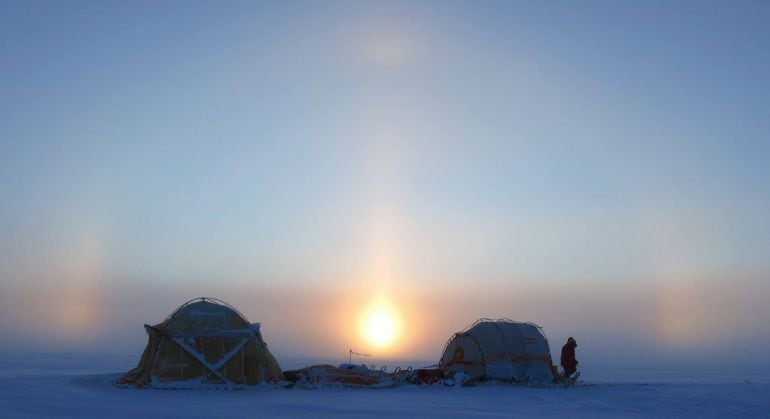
<point>598,168</point>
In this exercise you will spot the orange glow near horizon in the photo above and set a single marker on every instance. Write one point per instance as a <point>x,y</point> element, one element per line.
<point>380,324</point>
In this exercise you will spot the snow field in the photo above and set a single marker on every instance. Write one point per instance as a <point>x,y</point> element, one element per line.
<point>80,388</point>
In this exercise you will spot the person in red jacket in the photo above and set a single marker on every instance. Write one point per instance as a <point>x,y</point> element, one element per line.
<point>568,361</point>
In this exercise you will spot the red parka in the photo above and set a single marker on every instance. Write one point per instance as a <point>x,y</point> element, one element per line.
<point>568,361</point>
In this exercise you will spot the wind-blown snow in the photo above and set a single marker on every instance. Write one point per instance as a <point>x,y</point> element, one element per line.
<point>81,387</point>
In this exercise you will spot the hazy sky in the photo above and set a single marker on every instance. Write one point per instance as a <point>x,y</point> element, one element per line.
<point>599,168</point>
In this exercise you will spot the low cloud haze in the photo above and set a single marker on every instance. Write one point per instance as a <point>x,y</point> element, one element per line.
<point>667,323</point>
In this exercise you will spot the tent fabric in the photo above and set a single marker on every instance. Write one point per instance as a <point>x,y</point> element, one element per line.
<point>500,349</point>
<point>205,342</point>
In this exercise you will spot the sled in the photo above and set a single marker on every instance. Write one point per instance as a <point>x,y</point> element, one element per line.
<point>569,382</point>
<point>345,376</point>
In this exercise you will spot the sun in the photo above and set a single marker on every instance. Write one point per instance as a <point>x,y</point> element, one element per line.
<point>380,326</point>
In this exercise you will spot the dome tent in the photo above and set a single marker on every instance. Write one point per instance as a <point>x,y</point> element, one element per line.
<point>499,349</point>
<point>205,342</point>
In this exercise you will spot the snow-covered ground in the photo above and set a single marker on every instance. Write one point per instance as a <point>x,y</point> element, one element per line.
<point>76,386</point>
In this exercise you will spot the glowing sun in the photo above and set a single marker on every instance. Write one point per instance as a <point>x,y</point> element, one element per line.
<point>380,326</point>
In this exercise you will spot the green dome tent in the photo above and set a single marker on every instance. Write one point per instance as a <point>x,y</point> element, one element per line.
<point>205,342</point>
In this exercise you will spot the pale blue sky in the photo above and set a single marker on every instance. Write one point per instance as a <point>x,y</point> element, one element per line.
<point>463,151</point>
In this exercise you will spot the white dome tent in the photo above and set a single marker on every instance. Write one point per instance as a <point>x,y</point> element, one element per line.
<point>500,350</point>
